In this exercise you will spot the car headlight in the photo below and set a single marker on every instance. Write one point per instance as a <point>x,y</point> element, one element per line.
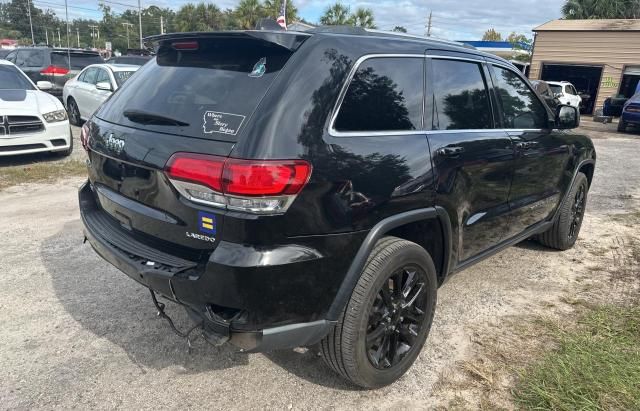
<point>58,115</point>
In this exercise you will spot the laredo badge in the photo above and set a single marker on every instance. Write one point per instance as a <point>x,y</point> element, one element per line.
<point>207,225</point>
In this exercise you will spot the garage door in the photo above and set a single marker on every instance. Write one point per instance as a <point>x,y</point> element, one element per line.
<point>586,79</point>
<point>632,70</point>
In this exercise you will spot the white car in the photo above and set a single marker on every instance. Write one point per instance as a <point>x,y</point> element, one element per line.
<point>31,120</point>
<point>84,93</point>
<point>565,92</point>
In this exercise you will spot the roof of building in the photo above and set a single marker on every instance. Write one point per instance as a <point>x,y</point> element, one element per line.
<point>591,25</point>
<point>483,45</point>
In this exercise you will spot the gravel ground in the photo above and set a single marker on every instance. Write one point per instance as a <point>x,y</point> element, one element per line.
<point>77,333</point>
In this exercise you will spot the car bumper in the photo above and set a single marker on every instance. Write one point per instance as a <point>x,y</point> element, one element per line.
<point>223,283</point>
<point>631,117</point>
<point>55,137</point>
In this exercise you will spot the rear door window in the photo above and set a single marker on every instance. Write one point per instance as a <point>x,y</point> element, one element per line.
<point>461,97</point>
<point>30,58</point>
<point>211,84</point>
<point>78,60</point>
<point>385,94</point>
<point>520,106</point>
<point>102,76</point>
<point>90,75</point>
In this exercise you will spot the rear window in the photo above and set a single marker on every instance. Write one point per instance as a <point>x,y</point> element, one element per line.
<point>212,86</point>
<point>78,60</point>
<point>122,76</point>
<point>139,61</point>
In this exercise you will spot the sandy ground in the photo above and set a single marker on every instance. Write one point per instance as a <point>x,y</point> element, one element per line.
<point>77,333</point>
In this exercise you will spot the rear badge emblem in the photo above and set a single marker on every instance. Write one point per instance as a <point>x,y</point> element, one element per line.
<point>114,143</point>
<point>207,223</point>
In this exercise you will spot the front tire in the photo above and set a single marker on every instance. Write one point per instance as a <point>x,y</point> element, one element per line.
<point>387,319</point>
<point>622,126</point>
<point>564,232</point>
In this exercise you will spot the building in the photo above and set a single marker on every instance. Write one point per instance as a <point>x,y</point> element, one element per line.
<point>600,57</point>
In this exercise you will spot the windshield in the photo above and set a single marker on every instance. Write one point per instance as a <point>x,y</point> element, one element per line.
<point>556,89</point>
<point>12,79</point>
<point>210,84</point>
<point>122,76</point>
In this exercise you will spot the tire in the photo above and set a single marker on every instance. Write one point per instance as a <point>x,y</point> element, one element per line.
<point>622,126</point>
<point>367,363</point>
<point>74,113</point>
<point>564,232</point>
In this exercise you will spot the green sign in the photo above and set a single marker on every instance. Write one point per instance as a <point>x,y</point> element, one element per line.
<point>609,82</point>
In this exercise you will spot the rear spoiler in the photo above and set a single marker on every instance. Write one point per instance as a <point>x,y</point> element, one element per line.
<point>288,40</point>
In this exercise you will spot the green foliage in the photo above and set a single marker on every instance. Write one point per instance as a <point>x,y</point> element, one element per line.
<point>595,367</point>
<point>340,15</point>
<point>399,29</point>
<point>601,9</point>
<point>491,35</point>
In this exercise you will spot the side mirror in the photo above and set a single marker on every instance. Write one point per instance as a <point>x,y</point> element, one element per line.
<point>567,117</point>
<point>104,85</point>
<point>44,85</point>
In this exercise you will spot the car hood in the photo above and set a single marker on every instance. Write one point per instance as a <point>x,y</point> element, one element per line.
<point>32,101</point>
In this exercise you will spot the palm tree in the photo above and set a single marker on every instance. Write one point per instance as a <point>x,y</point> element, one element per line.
<point>363,17</point>
<point>248,13</point>
<point>336,15</point>
<point>601,9</point>
<point>272,10</point>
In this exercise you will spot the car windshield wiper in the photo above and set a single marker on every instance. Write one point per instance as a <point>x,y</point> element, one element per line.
<point>144,117</point>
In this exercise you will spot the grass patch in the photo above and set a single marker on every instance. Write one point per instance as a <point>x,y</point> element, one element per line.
<point>40,172</point>
<point>595,366</point>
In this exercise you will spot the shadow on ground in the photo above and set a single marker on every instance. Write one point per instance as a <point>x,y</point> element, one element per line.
<point>110,305</point>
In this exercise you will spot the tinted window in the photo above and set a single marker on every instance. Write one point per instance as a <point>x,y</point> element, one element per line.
<point>122,76</point>
<point>461,99</point>
<point>30,58</point>
<point>556,89</point>
<point>12,79</point>
<point>139,61</point>
<point>78,60</point>
<point>213,87</point>
<point>90,75</point>
<point>12,56</point>
<point>520,106</point>
<point>571,90</point>
<point>385,94</point>
<point>103,76</point>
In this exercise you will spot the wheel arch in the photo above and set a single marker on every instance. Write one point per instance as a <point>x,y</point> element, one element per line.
<point>408,225</point>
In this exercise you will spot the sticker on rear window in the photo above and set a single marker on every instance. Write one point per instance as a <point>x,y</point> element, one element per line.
<point>259,68</point>
<point>223,123</point>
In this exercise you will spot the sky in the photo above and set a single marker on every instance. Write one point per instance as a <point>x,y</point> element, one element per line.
<point>452,19</point>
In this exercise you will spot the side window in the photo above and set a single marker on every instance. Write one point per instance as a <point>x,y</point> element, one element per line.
<point>103,76</point>
<point>30,58</point>
<point>571,90</point>
<point>461,98</point>
<point>81,76</point>
<point>385,94</point>
<point>90,75</point>
<point>12,56</point>
<point>520,106</point>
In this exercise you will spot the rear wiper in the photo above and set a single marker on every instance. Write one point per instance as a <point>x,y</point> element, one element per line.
<point>144,117</point>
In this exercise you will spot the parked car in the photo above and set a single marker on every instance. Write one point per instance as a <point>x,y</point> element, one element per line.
<point>54,65</point>
<point>613,105</point>
<point>4,53</point>
<point>290,188</point>
<point>84,93</point>
<point>630,113</point>
<point>566,93</point>
<point>31,120</point>
<point>130,60</point>
<point>546,93</point>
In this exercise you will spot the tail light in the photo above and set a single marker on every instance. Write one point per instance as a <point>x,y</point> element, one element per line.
<point>255,186</point>
<point>84,137</point>
<point>55,71</point>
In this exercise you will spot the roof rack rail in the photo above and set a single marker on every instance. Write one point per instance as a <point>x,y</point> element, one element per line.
<point>413,36</point>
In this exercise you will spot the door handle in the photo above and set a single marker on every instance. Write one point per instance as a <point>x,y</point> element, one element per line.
<point>450,151</point>
<point>526,145</point>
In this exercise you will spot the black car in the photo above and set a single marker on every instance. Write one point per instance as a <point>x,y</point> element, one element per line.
<point>56,65</point>
<point>4,53</point>
<point>290,189</point>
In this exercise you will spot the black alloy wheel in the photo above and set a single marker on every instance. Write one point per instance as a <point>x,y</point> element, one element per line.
<point>396,316</point>
<point>577,211</point>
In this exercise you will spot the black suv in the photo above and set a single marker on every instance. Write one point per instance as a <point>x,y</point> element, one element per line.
<point>54,65</point>
<point>291,189</point>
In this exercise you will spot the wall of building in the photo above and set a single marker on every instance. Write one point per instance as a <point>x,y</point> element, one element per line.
<point>612,50</point>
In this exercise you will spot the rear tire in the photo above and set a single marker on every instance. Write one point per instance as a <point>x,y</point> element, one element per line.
<point>74,112</point>
<point>622,126</point>
<point>387,319</point>
<point>564,232</point>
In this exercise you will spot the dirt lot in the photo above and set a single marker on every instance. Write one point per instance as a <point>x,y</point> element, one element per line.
<point>77,333</point>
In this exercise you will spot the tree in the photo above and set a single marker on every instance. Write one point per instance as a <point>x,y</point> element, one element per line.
<point>200,17</point>
<point>362,17</point>
<point>522,43</point>
<point>248,13</point>
<point>336,15</point>
<point>399,29</point>
<point>601,9</point>
<point>491,35</point>
<point>271,10</point>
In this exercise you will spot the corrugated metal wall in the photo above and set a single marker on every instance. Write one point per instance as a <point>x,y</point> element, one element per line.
<point>613,50</point>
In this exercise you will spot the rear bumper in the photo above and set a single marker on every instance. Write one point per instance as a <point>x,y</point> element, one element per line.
<point>280,303</point>
<point>55,137</point>
<point>630,117</point>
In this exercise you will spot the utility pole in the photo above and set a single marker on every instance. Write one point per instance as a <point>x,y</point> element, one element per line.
<point>429,23</point>
<point>59,41</point>
<point>140,20</point>
<point>33,41</point>
<point>161,25</point>
<point>46,33</point>
<point>127,25</point>
<point>78,36</point>
<point>93,34</point>
<point>66,13</point>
